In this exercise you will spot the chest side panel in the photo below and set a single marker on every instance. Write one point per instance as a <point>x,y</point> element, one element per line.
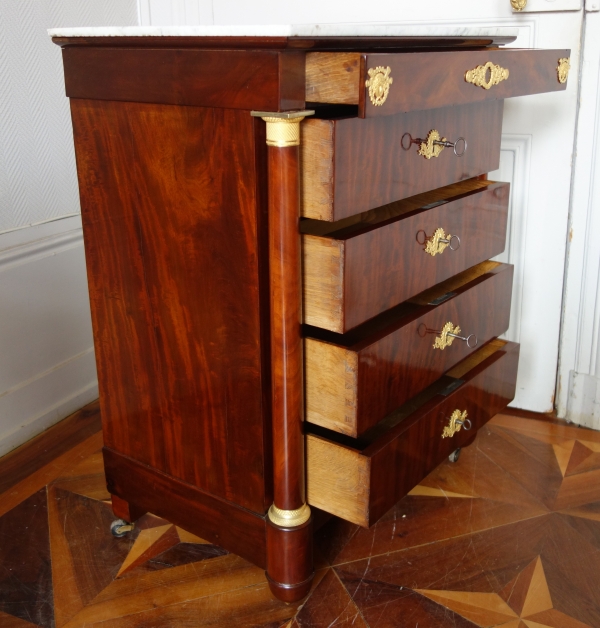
<point>171,225</point>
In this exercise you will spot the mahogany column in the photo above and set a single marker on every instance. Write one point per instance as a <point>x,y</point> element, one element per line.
<point>289,530</point>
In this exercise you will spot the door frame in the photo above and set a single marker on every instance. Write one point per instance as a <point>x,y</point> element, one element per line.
<point>578,381</point>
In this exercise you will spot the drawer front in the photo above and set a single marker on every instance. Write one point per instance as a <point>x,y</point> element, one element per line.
<point>362,484</point>
<point>426,80</point>
<point>353,381</point>
<point>350,165</point>
<point>357,272</point>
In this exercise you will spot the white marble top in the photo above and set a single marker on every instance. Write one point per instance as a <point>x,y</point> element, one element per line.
<point>285,30</point>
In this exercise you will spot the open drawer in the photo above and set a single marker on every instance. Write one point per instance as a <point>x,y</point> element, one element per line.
<point>354,380</point>
<point>350,165</point>
<point>357,268</point>
<point>382,83</point>
<point>360,480</point>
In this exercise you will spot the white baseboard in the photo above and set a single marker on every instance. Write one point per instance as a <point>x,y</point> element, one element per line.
<point>47,368</point>
<point>68,387</point>
<point>584,400</point>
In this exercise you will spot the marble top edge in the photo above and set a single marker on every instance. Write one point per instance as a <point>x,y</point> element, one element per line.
<point>285,30</point>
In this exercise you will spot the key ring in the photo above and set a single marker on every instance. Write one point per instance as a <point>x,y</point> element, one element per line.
<point>449,240</point>
<point>464,422</point>
<point>453,145</point>
<point>466,339</point>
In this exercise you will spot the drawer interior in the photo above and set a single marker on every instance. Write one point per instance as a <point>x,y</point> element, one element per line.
<point>381,216</point>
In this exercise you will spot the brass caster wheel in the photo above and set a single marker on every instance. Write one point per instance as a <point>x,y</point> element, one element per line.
<point>455,455</point>
<point>119,528</point>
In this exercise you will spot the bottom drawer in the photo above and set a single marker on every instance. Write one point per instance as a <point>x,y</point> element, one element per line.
<point>361,479</point>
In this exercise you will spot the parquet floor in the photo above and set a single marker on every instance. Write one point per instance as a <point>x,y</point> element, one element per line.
<point>508,536</point>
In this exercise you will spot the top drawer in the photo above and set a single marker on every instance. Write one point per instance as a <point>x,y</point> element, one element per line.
<point>384,84</point>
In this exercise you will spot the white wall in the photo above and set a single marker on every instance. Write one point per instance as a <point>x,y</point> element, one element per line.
<point>170,12</point>
<point>578,385</point>
<point>190,12</point>
<point>46,357</point>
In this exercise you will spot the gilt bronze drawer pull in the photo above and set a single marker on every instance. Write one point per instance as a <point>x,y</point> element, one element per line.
<point>458,419</point>
<point>434,144</point>
<point>479,75</point>
<point>564,65</point>
<point>379,82</point>
<point>449,333</point>
<point>439,241</point>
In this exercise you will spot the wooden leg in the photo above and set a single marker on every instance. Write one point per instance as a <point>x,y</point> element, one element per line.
<point>290,561</point>
<point>289,529</point>
<point>125,510</point>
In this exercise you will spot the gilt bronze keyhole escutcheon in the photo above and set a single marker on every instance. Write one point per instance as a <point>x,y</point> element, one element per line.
<point>487,75</point>
<point>447,335</point>
<point>458,419</point>
<point>434,144</point>
<point>439,241</point>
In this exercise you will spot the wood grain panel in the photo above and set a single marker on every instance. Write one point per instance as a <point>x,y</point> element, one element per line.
<point>286,318</point>
<point>394,353</point>
<point>220,522</point>
<point>234,79</point>
<point>429,80</point>
<point>10,621</point>
<point>338,479</point>
<point>149,599</point>
<point>323,282</point>
<point>49,472</point>
<point>333,77</point>
<point>317,154</point>
<point>119,304</point>
<point>26,574</point>
<point>170,224</point>
<point>360,480</point>
<point>426,80</point>
<point>351,165</point>
<point>331,381</point>
<point>356,268</point>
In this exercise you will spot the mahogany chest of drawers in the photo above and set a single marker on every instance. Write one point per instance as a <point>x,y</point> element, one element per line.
<point>288,245</point>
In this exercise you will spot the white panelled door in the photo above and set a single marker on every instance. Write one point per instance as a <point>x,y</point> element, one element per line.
<point>537,145</point>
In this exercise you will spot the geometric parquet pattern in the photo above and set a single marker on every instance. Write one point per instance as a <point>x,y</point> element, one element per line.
<point>507,536</point>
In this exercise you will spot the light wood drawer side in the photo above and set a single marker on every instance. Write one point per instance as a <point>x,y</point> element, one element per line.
<point>338,480</point>
<point>331,385</point>
<point>323,279</point>
<point>333,77</point>
<point>317,164</point>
